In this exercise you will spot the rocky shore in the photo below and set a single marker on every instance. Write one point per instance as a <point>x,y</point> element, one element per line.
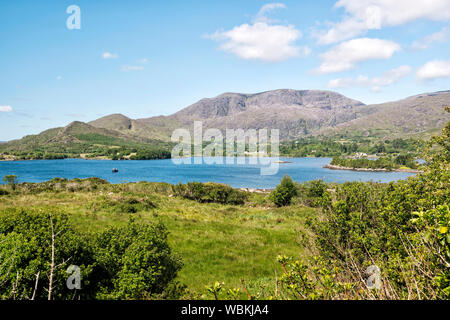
<point>333,167</point>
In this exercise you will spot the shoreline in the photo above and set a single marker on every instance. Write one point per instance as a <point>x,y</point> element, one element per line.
<point>107,159</point>
<point>334,167</point>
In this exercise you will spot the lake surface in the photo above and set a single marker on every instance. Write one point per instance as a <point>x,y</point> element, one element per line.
<point>237,175</point>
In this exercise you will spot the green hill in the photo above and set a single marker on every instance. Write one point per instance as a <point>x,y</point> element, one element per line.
<point>79,139</point>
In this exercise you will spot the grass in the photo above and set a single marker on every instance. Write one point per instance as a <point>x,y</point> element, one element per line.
<point>222,243</point>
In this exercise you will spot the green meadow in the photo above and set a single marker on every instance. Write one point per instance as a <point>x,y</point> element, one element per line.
<point>216,242</point>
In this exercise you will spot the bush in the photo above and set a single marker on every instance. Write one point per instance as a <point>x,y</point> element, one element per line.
<point>136,262</point>
<point>315,188</point>
<point>11,180</point>
<point>130,262</point>
<point>210,192</point>
<point>25,251</point>
<point>284,192</point>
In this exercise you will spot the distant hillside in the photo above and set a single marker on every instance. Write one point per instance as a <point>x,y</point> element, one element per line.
<point>420,116</point>
<point>296,114</point>
<point>79,139</point>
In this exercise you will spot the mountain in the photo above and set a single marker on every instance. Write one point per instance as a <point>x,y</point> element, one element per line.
<point>75,132</point>
<point>159,128</point>
<point>76,139</point>
<point>420,115</point>
<point>295,113</point>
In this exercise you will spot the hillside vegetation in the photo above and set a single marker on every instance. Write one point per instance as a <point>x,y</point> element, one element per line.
<point>82,140</point>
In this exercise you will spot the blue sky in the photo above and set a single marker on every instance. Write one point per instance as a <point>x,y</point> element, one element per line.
<point>147,58</point>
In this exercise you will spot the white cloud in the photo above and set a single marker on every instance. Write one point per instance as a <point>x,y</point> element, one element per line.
<point>388,78</point>
<point>263,40</point>
<point>434,70</point>
<point>128,68</point>
<point>261,16</point>
<point>364,15</point>
<point>345,55</point>
<point>439,37</point>
<point>109,55</point>
<point>6,109</point>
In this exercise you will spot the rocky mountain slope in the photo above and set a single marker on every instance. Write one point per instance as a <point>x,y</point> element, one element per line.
<point>296,114</point>
<point>418,115</point>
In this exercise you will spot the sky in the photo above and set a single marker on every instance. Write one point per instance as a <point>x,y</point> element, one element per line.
<point>62,61</point>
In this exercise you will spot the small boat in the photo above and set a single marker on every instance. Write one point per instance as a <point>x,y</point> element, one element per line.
<point>115,170</point>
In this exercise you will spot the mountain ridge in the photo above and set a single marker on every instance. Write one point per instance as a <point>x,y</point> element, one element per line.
<point>296,113</point>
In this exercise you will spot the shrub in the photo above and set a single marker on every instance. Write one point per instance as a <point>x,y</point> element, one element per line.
<point>11,180</point>
<point>136,262</point>
<point>26,251</point>
<point>284,192</point>
<point>210,192</point>
<point>130,262</point>
<point>315,188</point>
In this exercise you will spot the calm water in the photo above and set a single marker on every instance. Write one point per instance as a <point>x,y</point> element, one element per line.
<point>238,176</point>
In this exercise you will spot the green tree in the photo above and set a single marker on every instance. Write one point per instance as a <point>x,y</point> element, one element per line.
<point>11,180</point>
<point>26,247</point>
<point>284,192</point>
<point>135,262</point>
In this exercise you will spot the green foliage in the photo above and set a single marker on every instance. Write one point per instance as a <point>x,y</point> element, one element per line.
<point>90,145</point>
<point>135,262</point>
<point>313,281</point>
<point>313,193</point>
<point>284,192</point>
<point>380,163</point>
<point>210,192</point>
<point>315,188</point>
<point>345,145</point>
<point>25,248</point>
<point>406,160</point>
<point>401,227</point>
<point>130,262</point>
<point>128,204</point>
<point>11,180</point>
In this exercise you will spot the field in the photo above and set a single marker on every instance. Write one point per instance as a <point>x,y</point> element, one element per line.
<point>216,242</point>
